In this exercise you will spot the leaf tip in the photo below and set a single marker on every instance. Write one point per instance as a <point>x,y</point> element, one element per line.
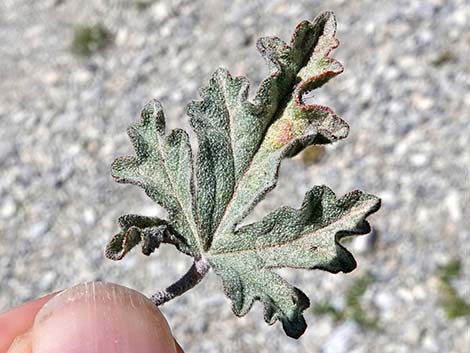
<point>152,114</point>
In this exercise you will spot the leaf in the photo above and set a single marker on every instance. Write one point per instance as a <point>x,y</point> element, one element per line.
<point>163,168</point>
<point>152,231</point>
<point>240,146</point>
<point>304,238</point>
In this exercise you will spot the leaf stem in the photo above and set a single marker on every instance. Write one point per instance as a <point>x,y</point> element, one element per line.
<point>194,275</point>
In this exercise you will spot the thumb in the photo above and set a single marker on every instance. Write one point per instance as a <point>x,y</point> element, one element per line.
<point>100,317</point>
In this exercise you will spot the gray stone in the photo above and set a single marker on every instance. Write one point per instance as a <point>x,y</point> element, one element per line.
<point>7,148</point>
<point>37,229</point>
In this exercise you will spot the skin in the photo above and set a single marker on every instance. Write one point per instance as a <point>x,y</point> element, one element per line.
<point>88,318</point>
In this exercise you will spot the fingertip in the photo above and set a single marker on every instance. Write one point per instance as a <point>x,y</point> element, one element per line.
<point>16,321</point>
<point>101,317</point>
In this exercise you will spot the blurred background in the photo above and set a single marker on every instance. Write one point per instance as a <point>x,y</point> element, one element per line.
<point>75,74</point>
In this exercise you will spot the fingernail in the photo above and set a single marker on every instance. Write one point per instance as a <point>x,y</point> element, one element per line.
<point>21,344</point>
<point>101,317</point>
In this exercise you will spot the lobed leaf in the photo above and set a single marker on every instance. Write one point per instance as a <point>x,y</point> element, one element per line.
<point>240,147</point>
<point>290,124</point>
<point>301,238</point>
<point>163,168</point>
<point>228,133</point>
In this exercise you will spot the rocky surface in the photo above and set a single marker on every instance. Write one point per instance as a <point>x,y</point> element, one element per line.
<point>405,93</point>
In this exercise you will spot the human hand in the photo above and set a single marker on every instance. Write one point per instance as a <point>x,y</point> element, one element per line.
<point>88,318</point>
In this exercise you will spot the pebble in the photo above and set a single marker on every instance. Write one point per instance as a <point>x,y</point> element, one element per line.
<point>160,11</point>
<point>419,160</point>
<point>7,207</point>
<point>37,229</point>
<point>365,244</point>
<point>47,280</point>
<point>452,202</point>
<point>341,340</point>
<point>89,216</point>
<point>7,148</point>
<point>387,303</point>
<point>430,344</point>
<point>411,333</point>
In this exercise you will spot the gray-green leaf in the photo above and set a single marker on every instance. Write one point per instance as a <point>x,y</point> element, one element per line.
<point>240,146</point>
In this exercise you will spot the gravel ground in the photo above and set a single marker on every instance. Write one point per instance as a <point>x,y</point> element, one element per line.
<point>405,93</point>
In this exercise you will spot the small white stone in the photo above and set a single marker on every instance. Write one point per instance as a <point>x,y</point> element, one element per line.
<point>422,102</point>
<point>461,18</point>
<point>38,229</point>
<point>89,216</point>
<point>388,197</point>
<point>419,159</point>
<point>419,292</point>
<point>82,75</point>
<point>365,243</point>
<point>122,37</point>
<point>391,73</point>
<point>341,340</point>
<point>370,27</point>
<point>8,208</point>
<point>430,344</point>
<point>47,279</point>
<point>411,333</point>
<point>160,10</point>
<point>386,304</point>
<point>405,294</point>
<point>52,77</point>
<point>452,202</point>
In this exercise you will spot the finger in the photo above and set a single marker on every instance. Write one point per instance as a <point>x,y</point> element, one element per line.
<point>100,317</point>
<point>178,347</point>
<point>21,344</point>
<point>18,320</point>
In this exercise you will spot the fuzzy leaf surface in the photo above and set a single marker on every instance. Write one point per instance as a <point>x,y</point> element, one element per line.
<point>240,147</point>
<point>301,238</point>
<point>163,168</point>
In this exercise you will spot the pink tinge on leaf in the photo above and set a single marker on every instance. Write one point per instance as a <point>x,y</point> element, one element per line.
<point>285,134</point>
